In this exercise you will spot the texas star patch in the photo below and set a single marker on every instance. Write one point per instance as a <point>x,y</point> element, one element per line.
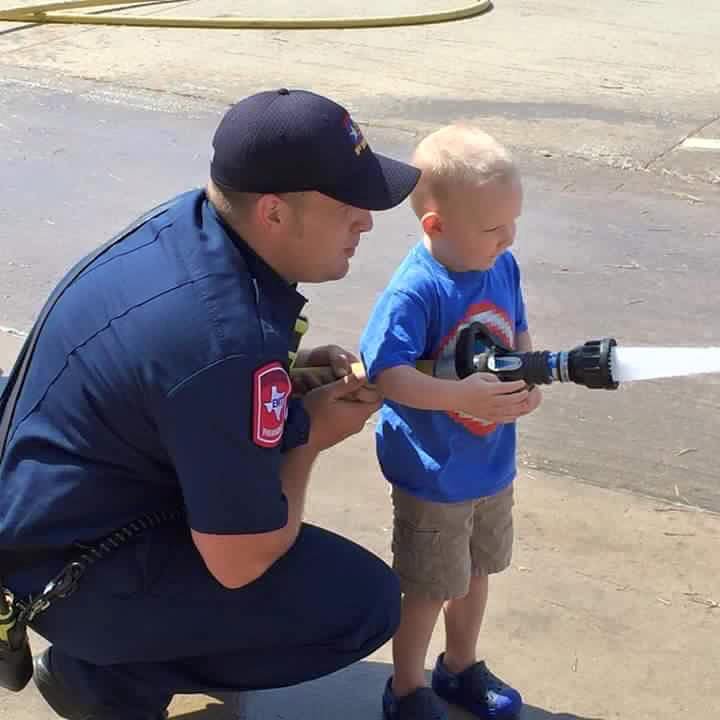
<point>271,390</point>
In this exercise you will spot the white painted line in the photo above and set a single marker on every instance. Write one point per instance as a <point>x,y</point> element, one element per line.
<point>12,331</point>
<point>701,144</point>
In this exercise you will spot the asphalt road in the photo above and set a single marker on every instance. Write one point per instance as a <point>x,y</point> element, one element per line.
<point>598,100</point>
<point>603,254</point>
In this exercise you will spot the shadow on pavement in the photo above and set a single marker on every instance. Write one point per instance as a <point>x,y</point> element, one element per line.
<point>535,713</point>
<point>351,694</point>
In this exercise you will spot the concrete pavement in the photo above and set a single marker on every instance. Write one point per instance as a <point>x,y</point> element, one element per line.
<point>10,343</point>
<point>611,608</point>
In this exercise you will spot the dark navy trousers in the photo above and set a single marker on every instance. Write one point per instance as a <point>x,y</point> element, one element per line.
<point>150,621</point>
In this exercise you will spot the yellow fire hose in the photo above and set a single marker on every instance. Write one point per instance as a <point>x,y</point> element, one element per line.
<point>324,373</point>
<point>53,13</point>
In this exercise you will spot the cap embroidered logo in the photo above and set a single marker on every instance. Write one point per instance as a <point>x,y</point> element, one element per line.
<point>355,133</point>
<point>271,390</point>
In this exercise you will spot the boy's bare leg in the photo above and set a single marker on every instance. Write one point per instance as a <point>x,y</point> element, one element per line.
<point>411,642</point>
<point>463,619</point>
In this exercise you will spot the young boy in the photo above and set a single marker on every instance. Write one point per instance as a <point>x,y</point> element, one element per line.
<point>447,446</point>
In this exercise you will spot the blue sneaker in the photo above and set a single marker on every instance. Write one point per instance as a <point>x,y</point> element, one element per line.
<point>477,690</point>
<point>421,704</point>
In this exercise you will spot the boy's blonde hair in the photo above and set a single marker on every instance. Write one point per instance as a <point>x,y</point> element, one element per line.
<point>454,156</point>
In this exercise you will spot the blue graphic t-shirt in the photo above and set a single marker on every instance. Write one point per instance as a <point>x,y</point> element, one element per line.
<point>436,455</point>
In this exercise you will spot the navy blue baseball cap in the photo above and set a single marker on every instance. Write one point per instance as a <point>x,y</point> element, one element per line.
<point>280,141</point>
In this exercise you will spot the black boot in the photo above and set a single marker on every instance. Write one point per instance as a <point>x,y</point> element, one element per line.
<point>61,699</point>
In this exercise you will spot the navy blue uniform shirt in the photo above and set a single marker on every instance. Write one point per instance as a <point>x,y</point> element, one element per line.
<point>160,378</point>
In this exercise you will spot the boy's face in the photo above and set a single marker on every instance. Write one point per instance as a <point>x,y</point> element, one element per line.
<point>478,224</point>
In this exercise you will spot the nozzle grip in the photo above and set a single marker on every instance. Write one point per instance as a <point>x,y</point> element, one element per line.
<point>532,367</point>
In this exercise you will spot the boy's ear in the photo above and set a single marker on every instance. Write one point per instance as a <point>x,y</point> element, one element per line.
<point>431,223</point>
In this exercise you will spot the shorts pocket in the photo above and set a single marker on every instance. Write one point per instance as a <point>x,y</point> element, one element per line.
<point>417,553</point>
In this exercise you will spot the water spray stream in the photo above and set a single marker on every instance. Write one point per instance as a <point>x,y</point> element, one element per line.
<point>647,363</point>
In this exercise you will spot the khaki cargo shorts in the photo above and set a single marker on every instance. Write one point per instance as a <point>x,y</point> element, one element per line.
<point>437,547</point>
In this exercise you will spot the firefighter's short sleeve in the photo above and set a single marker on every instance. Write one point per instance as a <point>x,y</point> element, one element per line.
<point>223,428</point>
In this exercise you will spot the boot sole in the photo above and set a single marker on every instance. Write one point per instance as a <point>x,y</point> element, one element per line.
<point>55,694</point>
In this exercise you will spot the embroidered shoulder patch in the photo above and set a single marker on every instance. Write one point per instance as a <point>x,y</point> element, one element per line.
<point>271,391</point>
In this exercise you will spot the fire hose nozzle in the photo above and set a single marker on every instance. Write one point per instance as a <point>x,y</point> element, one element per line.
<point>590,364</point>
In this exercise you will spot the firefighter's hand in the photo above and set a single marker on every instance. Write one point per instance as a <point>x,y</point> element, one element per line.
<point>329,363</point>
<point>334,414</point>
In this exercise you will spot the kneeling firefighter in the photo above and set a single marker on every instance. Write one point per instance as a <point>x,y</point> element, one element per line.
<point>155,459</point>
